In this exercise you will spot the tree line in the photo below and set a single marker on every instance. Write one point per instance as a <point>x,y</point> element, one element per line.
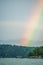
<point>9,51</point>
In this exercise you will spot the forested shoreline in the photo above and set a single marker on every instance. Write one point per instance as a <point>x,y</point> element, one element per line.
<point>9,51</point>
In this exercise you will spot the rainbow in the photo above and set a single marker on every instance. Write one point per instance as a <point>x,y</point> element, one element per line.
<point>32,25</point>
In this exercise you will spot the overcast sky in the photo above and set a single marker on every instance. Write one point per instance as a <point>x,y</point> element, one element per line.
<point>13,17</point>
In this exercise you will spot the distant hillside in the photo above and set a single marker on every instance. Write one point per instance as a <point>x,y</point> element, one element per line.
<point>14,51</point>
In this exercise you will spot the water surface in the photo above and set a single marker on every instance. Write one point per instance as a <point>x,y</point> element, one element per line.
<point>17,61</point>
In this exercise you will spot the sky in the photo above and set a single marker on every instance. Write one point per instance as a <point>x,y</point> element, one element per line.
<point>22,20</point>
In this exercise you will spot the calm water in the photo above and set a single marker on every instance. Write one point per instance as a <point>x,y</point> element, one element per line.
<point>14,61</point>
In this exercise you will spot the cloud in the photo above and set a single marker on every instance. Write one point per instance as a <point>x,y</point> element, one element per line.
<point>11,30</point>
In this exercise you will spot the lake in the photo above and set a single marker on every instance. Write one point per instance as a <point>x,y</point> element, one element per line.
<point>18,61</point>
